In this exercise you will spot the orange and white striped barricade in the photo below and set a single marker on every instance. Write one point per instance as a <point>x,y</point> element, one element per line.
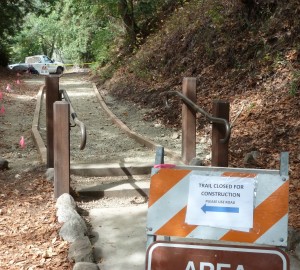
<point>213,203</point>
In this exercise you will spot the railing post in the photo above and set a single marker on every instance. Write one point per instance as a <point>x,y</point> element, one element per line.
<point>61,148</point>
<point>189,121</point>
<point>219,149</point>
<point>52,95</point>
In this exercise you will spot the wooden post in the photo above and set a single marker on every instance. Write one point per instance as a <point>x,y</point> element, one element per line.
<point>52,95</point>
<point>219,149</point>
<point>61,148</point>
<point>189,121</point>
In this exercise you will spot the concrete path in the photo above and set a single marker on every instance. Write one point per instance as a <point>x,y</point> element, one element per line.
<point>119,237</point>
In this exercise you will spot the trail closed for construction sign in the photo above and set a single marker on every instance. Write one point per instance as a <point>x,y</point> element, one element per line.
<point>221,202</point>
<point>227,204</point>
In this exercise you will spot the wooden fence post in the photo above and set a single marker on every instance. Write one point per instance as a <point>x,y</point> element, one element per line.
<point>52,95</point>
<point>219,150</point>
<point>61,148</point>
<point>189,121</point>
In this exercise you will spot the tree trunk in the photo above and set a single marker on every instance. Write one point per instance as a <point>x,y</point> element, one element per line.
<point>126,11</point>
<point>52,47</point>
<point>44,48</point>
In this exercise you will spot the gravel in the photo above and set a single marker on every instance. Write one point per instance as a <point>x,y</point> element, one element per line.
<point>105,141</point>
<point>108,143</point>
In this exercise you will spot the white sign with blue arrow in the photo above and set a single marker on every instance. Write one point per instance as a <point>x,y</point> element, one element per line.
<point>223,202</point>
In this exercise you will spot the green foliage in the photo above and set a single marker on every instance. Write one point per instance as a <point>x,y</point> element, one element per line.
<point>149,14</point>
<point>102,45</point>
<point>40,35</point>
<point>215,14</point>
<point>294,84</point>
<point>12,17</point>
<point>84,30</point>
<point>107,72</point>
<point>140,70</point>
<point>252,105</point>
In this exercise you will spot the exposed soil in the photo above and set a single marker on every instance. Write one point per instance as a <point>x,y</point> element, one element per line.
<point>29,229</point>
<point>27,210</point>
<point>251,60</point>
<point>257,71</point>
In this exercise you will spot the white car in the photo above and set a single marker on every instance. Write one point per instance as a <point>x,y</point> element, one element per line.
<point>39,64</point>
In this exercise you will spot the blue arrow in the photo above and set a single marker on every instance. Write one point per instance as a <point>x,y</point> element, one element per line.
<point>206,208</point>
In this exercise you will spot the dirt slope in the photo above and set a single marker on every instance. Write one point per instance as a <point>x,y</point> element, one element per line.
<point>250,60</point>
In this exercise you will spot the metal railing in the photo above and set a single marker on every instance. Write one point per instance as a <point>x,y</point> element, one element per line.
<point>77,122</point>
<point>208,116</point>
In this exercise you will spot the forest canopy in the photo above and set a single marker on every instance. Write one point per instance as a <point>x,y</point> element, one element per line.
<point>78,30</point>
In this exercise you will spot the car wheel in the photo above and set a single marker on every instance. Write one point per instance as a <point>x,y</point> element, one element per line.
<point>59,70</point>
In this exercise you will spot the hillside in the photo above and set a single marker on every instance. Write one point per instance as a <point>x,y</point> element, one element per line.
<point>248,57</point>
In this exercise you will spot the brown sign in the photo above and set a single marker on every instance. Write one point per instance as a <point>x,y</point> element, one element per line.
<point>190,256</point>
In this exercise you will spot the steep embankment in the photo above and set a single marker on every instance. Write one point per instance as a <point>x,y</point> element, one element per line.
<point>251,60</point>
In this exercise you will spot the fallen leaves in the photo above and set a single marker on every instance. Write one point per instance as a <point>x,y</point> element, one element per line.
<point>29,231</point>
<point>259,79</point>
<point>28,225</point>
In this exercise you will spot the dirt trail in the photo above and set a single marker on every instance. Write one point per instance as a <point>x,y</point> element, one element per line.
<point>105,141</point>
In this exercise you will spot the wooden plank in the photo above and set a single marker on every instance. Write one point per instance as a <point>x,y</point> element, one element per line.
<point>219,149</point>
<point>61,148</point>
<point>52,95</point>
<point>189,121</point>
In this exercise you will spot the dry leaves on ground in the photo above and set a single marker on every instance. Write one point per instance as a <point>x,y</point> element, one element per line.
<point>29,229</point>
<point>28,225</point>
